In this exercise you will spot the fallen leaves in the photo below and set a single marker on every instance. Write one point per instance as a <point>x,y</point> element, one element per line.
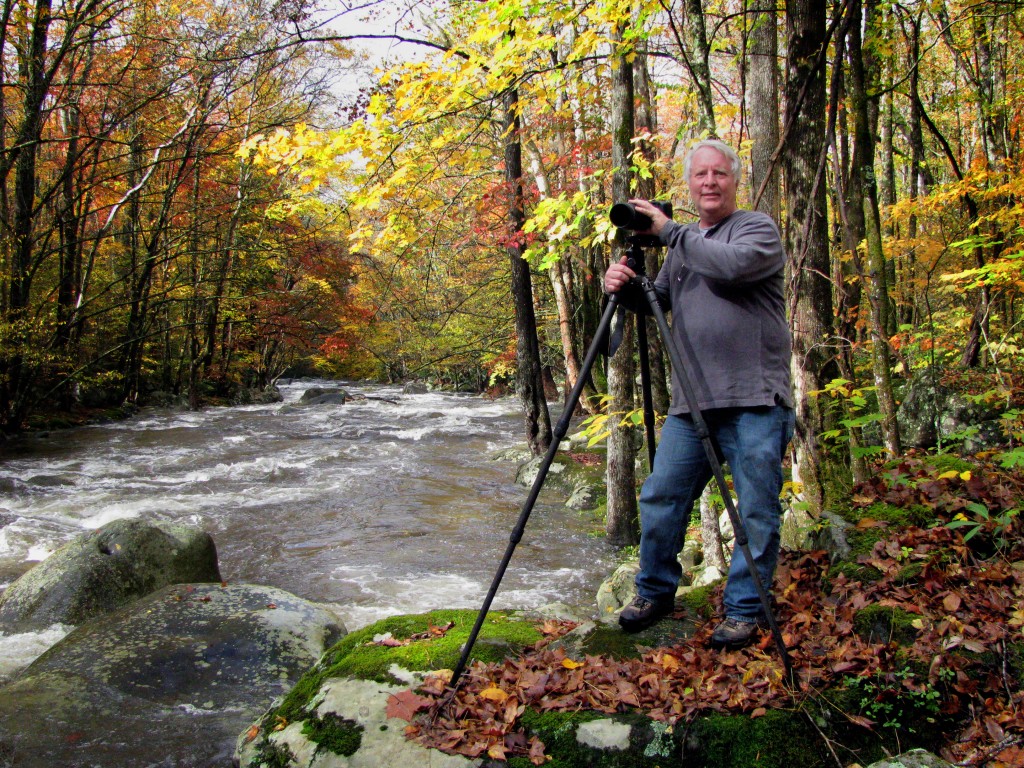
<point>962,613</point>
<point>389,641</point>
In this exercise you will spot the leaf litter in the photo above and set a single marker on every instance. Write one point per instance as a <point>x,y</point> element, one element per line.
<point>966,612</point>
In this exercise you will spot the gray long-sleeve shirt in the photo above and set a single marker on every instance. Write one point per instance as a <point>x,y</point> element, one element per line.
<point>725,291</point>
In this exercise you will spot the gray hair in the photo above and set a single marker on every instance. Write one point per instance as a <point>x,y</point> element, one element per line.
<point>720,146</point>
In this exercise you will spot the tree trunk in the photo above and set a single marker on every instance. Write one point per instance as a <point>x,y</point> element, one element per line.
<point>697,52</point>
<point>35,83</point>
<point>810,293</point>
<point>762,97</point>
<point>621,522</point>
<point>529,376</point>
<point>878,289</point>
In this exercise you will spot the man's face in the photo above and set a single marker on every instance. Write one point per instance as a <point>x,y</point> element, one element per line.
<point>712,185</point>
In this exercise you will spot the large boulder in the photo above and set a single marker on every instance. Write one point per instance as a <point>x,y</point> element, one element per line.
<point>104,569</point>
<point>931,411</point>
<point>257,396</point>
<point>325,396</point>
<point>169,680</point>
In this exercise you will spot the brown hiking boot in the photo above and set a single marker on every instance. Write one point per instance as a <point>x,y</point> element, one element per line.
<point>733,634</point>
<point>642,613</point>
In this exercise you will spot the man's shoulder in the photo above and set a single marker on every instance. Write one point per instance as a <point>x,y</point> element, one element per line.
<point>748,217</point>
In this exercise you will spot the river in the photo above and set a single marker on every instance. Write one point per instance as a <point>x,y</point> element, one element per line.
<point>376,507</point>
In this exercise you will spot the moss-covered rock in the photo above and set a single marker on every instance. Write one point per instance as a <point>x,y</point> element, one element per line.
<point>339,706</point>
<point>593,740</point>
<point>101,570</point>
<point>418,643</point>
<point>779,739</point>
<point>882,624</point>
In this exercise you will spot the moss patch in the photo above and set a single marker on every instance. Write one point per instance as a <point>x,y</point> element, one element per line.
<point>358,656</point>
<point>698,602</point>
<point>609,640</point>
<point>880,624</point>
<point>853,572</point>
<point>270,755</point>
<point>901,517</point>
<point>1015,658</point>
<point>651,743</point>
<point>333,733</point>
<point>778,739</point>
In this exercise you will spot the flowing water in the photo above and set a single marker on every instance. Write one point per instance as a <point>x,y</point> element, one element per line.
<point>376,507</point>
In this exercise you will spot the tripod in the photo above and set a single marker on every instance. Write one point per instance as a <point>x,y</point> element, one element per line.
<point>636,263</point>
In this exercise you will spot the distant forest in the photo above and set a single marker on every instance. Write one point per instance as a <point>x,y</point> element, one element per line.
<point>198,198</point>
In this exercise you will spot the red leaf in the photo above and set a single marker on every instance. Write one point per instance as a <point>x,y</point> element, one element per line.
<point>405,704</point>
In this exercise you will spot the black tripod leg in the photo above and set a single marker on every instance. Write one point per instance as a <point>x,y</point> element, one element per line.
<point>679,370</point>
<point>645,387</point>
<point>560,430</point>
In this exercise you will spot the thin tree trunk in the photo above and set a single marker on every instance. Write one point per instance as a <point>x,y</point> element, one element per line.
<point>878,289</point>
<point>762,98</point>
<point>621,522</point>
<point>529,376</point>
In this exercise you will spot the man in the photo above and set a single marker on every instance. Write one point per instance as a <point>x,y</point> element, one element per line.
<point>722,280</point>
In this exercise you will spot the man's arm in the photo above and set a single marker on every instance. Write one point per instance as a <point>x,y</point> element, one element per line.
<point>754,251</point>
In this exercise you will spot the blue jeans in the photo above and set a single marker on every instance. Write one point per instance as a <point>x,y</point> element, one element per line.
<point>753,442</point>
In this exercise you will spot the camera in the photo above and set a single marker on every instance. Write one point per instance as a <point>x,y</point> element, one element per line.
<point>626,216</point>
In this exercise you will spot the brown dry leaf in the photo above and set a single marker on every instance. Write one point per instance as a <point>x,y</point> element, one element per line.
<point>952,602</point>
<point>866,522</point>
<point>405,704</point>
<point>995,730</point>
<point>536,753</point>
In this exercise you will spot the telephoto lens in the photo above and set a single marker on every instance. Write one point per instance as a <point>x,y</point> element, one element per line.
<point>626,216</point>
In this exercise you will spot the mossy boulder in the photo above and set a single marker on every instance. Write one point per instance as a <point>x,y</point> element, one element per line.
<point>337,714</point>
<point>575,475</point>
<point>105,569</point>
<point>342,700</point>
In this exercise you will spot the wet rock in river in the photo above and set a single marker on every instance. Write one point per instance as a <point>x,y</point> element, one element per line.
<point>105,569</point>
<point>169,680</point>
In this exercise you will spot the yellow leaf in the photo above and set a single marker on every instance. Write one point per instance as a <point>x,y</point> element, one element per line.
<point>669,663</point>
<point>949,475</point>
<point>493,694</point>
<point>570,664</point>
<point>965,476</point>
<point>496,751</point>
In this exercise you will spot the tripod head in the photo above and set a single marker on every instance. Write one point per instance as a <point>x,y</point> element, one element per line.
<point>635,251</point>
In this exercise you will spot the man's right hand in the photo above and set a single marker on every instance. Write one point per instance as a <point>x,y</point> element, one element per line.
<point>617,276</point>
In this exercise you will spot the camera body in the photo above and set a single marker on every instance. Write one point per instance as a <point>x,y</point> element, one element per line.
<point>626,216</point>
